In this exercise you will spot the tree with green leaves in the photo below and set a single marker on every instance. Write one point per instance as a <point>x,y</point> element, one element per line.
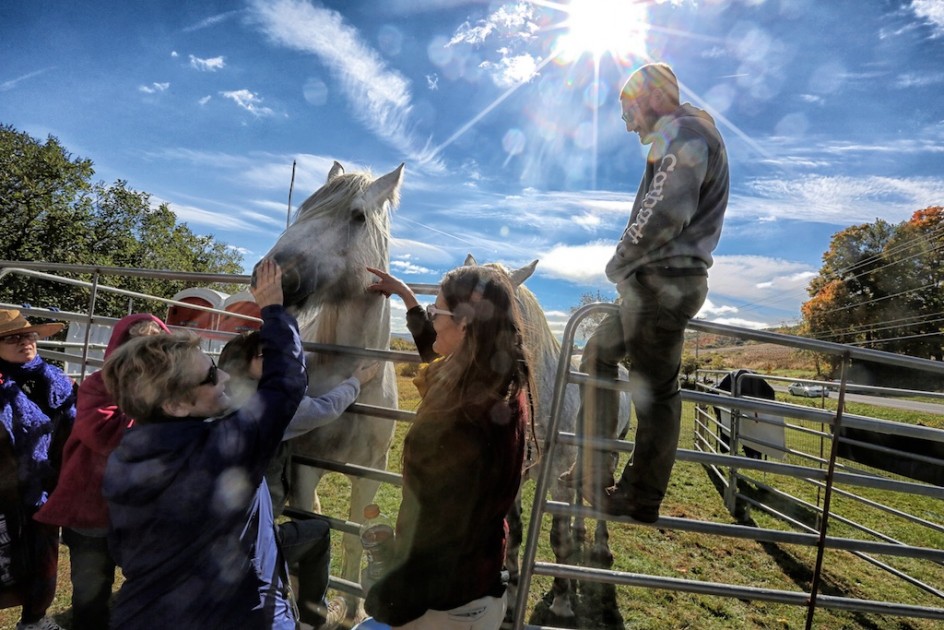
<point>51,211</point>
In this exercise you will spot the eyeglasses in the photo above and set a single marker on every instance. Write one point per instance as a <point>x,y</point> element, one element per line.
<point>432,311</point>
<point>625,116</point>
<point>212,377</point>
<point>20,338</point>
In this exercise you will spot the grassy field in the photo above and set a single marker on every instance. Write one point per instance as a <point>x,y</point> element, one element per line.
<point>668,553</point>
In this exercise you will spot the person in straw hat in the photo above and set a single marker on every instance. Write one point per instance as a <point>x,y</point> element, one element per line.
<point>37,409</point>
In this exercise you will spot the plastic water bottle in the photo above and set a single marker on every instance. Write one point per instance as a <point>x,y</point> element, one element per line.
<point>377,539</point>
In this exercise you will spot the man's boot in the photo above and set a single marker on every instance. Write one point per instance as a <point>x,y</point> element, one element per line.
<point>621,500</point>
<point>596,477</point>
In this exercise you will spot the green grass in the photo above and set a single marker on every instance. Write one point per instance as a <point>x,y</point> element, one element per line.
<point>668,553</point>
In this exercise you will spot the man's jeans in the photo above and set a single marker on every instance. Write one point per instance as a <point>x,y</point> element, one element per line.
<point>649,329</point>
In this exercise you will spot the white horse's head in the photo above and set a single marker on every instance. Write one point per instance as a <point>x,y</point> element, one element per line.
<point>341,229</point>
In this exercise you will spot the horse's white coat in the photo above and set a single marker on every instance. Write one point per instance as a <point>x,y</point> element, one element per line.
<point>338,231</point>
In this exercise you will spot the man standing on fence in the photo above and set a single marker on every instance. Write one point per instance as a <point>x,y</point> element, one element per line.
<point>660,268</point>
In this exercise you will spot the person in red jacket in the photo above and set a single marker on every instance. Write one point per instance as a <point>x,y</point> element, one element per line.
<point>77,504</point>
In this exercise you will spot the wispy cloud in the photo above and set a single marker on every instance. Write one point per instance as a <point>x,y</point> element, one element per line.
<point>12,83</point>
<point>919,80</point>
<point>211,21</point>
<point>379,96</point>
<point>194,215</point>
<point>211,64</point>
<point>154,88</point>
<point>249,101</point>
<point>835,200</point>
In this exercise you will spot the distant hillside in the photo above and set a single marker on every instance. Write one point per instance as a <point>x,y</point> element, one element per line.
<point>761,357</point>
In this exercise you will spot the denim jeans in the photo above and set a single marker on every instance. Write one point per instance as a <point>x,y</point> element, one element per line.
<point>306,546</point>
<point>649,329</point>
<point>93,574</point>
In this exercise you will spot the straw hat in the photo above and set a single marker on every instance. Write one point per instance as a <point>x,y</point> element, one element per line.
<point>12,323</point>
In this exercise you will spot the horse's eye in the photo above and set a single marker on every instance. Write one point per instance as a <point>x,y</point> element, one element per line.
<point>358,216</point>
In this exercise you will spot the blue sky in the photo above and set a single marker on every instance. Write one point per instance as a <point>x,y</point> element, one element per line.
<point>506,116</point>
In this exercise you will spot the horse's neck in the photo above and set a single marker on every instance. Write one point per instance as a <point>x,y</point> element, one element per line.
<point>359,323</point>
<point>363,322</point>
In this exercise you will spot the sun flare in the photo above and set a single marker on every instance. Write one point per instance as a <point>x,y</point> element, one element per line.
<point>598,27</point>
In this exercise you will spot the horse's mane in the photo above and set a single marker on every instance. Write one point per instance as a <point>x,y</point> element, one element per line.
<point>340,193</point>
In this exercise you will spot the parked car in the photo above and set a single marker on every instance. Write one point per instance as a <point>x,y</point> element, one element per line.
<point>808,389</point>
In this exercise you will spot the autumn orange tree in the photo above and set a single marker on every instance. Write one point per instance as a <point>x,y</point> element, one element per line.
<point>882,286</point>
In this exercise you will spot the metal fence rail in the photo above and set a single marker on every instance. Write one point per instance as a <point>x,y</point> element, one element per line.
<point>821,471</point>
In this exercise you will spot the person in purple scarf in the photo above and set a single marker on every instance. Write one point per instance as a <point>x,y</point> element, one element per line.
<point>37,409</point>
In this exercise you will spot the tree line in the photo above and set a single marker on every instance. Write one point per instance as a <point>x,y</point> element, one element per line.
<point>881,286</point>
<point>51,210</point>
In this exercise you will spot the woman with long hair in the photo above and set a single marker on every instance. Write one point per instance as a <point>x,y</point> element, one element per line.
<point>462,457</point>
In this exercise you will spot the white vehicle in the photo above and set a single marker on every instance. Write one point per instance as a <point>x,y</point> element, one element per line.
<point>808,389</point>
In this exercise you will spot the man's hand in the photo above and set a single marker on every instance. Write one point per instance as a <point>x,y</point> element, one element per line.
<point>267,289</point>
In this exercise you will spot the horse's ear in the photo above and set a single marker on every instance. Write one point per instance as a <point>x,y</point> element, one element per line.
<point>386,188</point>
<point>336,169</point>
<point>518,276</point>
<point>470,261</point>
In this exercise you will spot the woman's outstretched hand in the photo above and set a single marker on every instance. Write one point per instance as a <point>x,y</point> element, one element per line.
<point>388,285</point>
<point>267,285</point>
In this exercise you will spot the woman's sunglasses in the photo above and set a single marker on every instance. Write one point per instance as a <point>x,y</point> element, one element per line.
<point>432,311</point>
<point>212,377</point>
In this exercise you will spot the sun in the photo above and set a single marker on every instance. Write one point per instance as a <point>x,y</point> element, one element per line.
<point>599,27</point>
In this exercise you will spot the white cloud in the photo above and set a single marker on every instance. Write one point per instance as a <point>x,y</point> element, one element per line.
<point>204,100</point>
<point>511,25</point>
<point>510,71</point>
<point>931,11</point>
<point>154,88</point>
<point>509,20</point>
<point>249,101</point>
<point>408,268</point>
<point>211,64</point>
<point>581,264</point>
<point>743,323</point>
<point>378,95</point>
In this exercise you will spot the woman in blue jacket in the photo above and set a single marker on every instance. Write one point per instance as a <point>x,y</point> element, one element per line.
<point>181,486</point>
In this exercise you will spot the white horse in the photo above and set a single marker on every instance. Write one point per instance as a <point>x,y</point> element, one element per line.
<point>338,231</point>
<point>545,350</point>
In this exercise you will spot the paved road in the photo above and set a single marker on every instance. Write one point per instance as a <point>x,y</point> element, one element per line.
<point>881,401</point>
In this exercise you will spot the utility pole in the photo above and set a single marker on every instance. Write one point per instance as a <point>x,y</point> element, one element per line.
<point>291,186</point>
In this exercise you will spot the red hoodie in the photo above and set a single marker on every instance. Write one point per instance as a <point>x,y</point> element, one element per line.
<point>77,501</point>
